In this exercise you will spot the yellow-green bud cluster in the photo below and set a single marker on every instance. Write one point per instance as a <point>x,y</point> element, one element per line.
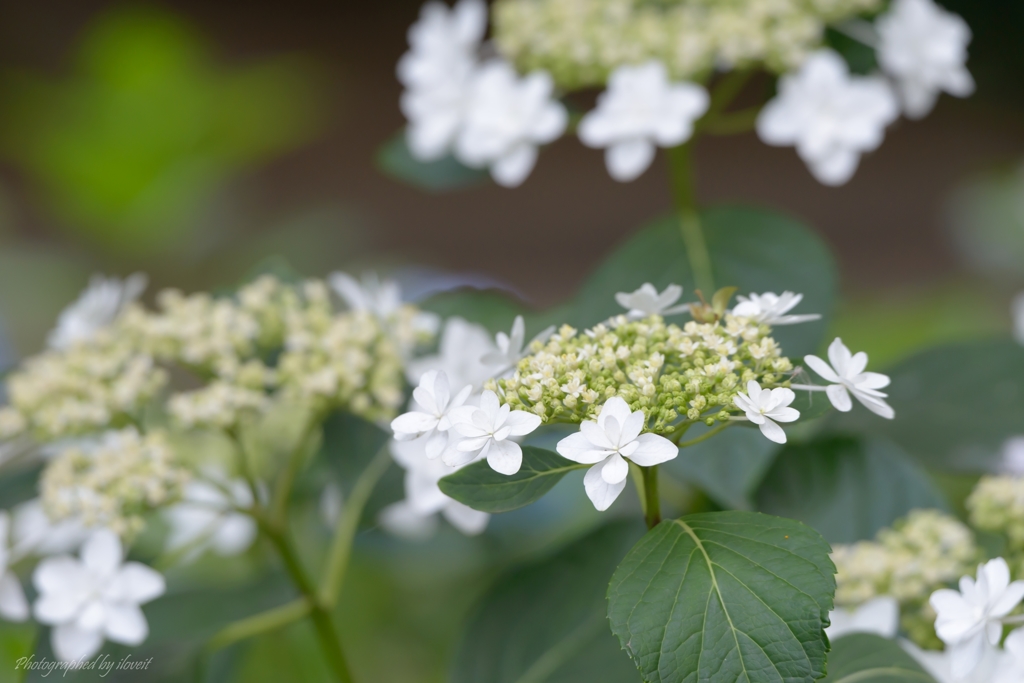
<point>113,482</point>
<point>674,374</point>
<point>997,505</point>
<point>581,41</point>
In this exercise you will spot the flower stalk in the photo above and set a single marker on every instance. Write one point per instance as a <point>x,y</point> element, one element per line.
<point>681,168</point>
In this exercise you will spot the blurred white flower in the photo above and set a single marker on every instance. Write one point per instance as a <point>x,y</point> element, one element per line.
<point>97,306</point>
<point>924,48</point>
<point>94,598</point>
<point>765,407</point>
<point>416,516</point>
<point>971,619</point>
<point>646,301</point>
<point>207,518</point>
<point>607,444</point>
<point>13,605</point>
<point>511,346</point>
<point>462,346</point>
<point>830,116</point>
<point>880,616</point>
<point>994,667</point>
<point>437,72</point>
<point>1012,669</point>
<point>847,373</point>
<point>640,109</point>
<point>1018,318</point>
<point>382,298</point>
<point>771,309</point>
<point>434,396</point>
<point>486,432</point>
<point>34,533</point>
<point>507,117</point>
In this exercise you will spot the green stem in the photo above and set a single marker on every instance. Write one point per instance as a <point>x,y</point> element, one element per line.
<point>285,481</point>
<point>724,93</point>
<point>681,167</point>
<point>652,506</point>
<point>706,435</point>
<point>263,622</point>
<point>733,123</point>
<point>344,534</point>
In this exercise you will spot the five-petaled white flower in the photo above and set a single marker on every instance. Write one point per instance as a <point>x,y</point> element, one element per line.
<point>924,49</point>
<point>971,618</point>
<point>880,616</point>
<point>646,301</point>
<point>771,309</point>
<point>434,396</point>
<point>416,516</point>
<point>847,373</point>
<point>437,72</point>
<point>510,346</point>
<point>765,407</point>
<point>98,306</point>
<point>208,517</point>
<point>13,606</point>
<point>507,117</point>
<point>486,432</point>
<point>640,109</point>
<point>607,443</point>
<point>94,598</point>
<point>830,116</point>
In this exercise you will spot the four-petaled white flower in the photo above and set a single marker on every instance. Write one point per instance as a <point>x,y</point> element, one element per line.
<point>970,619</point>
<point>771,309</point>
<point>646,301</point>
<point>766,407</point>
<point>507,117</point>
<point>607,443</point>
<point>208,518</point>
<point>94,598</point>
<point>924,48</point>
<point>830,116</point>
<point>433,395</point>
<point>847,373</point>
<point>13,606</point>
<point>416,516</point>
<point>98,306</point>
<point>640,109</point>
<point>437,72</point>
<point>510,346</point>
<point>486,432</point>
<point>880,616</point>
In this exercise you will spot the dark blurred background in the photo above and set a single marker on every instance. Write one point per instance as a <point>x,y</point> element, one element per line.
<point>195,140</point>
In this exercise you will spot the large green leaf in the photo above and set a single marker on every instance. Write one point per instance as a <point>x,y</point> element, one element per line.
<point>846,488</point>
<point>865,658</point>
<point>546,623</point>
<point>481,488</point>
<point>395,159</point>
<point>753,249</point>
<point>955,404</point>
<point>725,596</point>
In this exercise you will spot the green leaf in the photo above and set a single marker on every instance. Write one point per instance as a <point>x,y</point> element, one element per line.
<point>481,488</point>
<point>955,405</point>
<point>847,488</point>
<point>865,658</point>
<point>728,466</point>
<point>546,623</point>
<point>725,596</point>
<point>16,642</point>
<point>752,249</point>
<point>395,160</point>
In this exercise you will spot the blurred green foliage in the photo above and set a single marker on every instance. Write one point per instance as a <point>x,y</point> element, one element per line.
<point>130,147</point>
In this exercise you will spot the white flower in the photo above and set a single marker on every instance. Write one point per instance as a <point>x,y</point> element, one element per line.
<point>433,395</point>
<point>880,616</point>
<point>506,119</point>
<point>34,533</point>
<point>830,116</point>
<point>437,72</point>
<point>939,664</point>
<point>765,407</point>
<point>416,516</point>
<point>382,298</point>
<point>847,373</point>
<point>97,307</point>
<point>1018,318</point>
<point>607,443</point>
<point>207,518</point>
<point>970,618</point>
<point>13,606</point>
<point>924,48</point>
<point>459,354</point>
<point>771,309</point>
<point>486,432</point>
<point>646,301</point>
<point>510,346</point>
<point>640,109</point>
<point>94,598</point>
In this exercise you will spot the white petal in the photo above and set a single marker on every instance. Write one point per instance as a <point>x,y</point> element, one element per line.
<point>513,167</point>
<point>596,435</point>
<point>615,407</point>
<point>601,493</point>
<point>72,644</point>
<point>505,457</point>
<point>875,405</point>
<point>839,397</point>
<point>236,534</point>
<point>631,428</point>
<point>653,450</point>
<point>126,624</point>
<point>464,518</point>
<point>614,469</point>
<point>13,605</point>
<point>966,655</point>
<point>772,431</point>
<point>435,444</point>
<point>521,422</point>
<point>822,368</point>
<point>102,552</point>
<point>627,160</point>
<point>403,521</point>
<point>579,448</point>
<point>1009,599</point>
<point>413,424</point>
<point>137,583</point>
